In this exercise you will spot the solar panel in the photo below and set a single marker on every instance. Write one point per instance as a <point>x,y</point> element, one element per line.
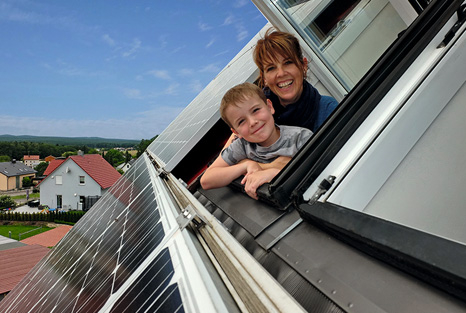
<point>117,258</point>
<point>202,113</point>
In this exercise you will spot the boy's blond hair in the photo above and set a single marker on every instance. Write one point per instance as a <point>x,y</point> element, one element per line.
<point>238,94</point>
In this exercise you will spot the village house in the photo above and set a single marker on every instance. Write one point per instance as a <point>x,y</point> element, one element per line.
<point>12,174</point>
<point>49,158</point>
<point>31,160</point>
<point>77,182</point>
<point>126,166</point>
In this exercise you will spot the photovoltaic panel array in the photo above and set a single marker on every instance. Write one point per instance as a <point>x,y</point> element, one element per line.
<point>99,264</point>
<point>202,113</point>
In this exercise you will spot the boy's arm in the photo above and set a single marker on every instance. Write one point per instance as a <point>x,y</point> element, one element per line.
<point>252,181</point>
<point>278,163</point>
<point>220,174</point>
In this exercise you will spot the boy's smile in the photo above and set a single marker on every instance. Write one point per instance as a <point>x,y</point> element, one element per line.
<point>253,121</point>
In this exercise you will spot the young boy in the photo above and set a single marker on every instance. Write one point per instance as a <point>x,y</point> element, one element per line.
<point>249,114</point>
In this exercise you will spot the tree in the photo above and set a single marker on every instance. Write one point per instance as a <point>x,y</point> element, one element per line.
<point>40,168</point>
<point>5,158</point>
<point>68,153</point>
<point>142,146</point>
<point>27,181</point>
<point>114,157</point>
<point>6,202</point>
<point>128,156</point>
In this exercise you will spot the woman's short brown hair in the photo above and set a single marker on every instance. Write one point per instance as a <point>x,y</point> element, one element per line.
<point>238,94</point>
<point>273,43</point>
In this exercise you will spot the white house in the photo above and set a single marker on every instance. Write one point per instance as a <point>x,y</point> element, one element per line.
<point>126,166</point>
<point>31,160</point>
<point>72,181</point>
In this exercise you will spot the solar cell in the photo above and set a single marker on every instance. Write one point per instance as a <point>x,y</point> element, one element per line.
<point>202,113</point>
<point>152,291</point>
<point>100,254</point>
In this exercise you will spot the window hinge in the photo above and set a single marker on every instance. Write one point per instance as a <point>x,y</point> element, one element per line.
<point>324,185</point>
<point>452,32</point>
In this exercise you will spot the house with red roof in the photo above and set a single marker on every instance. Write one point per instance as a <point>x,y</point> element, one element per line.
<point>77,182</point>
<point>31,160</point>
<point>49,158</point>
<point>53,164</point>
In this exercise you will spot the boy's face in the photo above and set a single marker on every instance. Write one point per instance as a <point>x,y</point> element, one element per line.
<point>253,121</point>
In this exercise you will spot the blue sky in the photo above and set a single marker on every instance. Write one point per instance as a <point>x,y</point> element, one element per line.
<point>111,68</point>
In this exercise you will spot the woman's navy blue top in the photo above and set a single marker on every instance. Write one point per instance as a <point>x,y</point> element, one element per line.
<point>310,111</point>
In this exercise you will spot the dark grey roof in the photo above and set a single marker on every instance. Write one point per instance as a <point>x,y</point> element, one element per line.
<point>10,169</point>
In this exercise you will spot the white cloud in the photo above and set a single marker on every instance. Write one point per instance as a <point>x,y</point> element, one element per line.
<point>240,3</point>
<point>229,20</point>
<point>179,48</point>
<point>63,68</point>
<point>163,41</point>
<point>221,53</point>
<point>15,14</point>
<point>162,74</point>
<point>186,72</point>
<point>134,47</point>
<point>172,89</point>
<point>108,40</point>
<point>242,32</point>
<point>195,86</point>
<point>133,93</point>
<point>140,125</point>
<point>204,26</point>
<point>210,43</point>
<point>212,68</point>
<point>138,94</point>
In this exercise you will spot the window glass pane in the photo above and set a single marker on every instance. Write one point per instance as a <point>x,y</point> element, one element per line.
<point>81,180</point>
<point>347,35</point>
<point>58,180</point>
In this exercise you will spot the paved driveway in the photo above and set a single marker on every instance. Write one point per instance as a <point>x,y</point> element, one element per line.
<point>26,209</point>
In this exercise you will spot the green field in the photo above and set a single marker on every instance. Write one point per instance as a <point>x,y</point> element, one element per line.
<point>19,229</point>
<point>31,196</point>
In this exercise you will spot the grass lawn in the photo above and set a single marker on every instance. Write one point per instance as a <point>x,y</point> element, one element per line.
<point>17,229</point>
<point>31,196</point>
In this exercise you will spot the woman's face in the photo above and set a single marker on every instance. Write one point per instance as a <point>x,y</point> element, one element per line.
<point>285,78</point>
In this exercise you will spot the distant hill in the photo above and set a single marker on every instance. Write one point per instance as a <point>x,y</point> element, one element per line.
<point>72,141</point>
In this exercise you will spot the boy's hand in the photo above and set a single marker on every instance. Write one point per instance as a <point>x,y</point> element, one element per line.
<point>252,167</point>
<point>254,180</point>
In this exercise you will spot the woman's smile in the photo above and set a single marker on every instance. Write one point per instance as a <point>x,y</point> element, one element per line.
<point>285,79</point>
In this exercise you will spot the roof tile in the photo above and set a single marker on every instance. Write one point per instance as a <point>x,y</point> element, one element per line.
<point>16,263</point>
<point>98,168</point>
<point>52,166</point>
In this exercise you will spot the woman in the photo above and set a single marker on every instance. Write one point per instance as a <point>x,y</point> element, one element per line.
<point>283,76</point>
<point>296,102</point>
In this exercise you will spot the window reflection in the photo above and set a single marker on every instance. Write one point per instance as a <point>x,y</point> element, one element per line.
<point>347,35</point>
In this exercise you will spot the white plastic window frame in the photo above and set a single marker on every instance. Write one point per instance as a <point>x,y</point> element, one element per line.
<point>395,125</point>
